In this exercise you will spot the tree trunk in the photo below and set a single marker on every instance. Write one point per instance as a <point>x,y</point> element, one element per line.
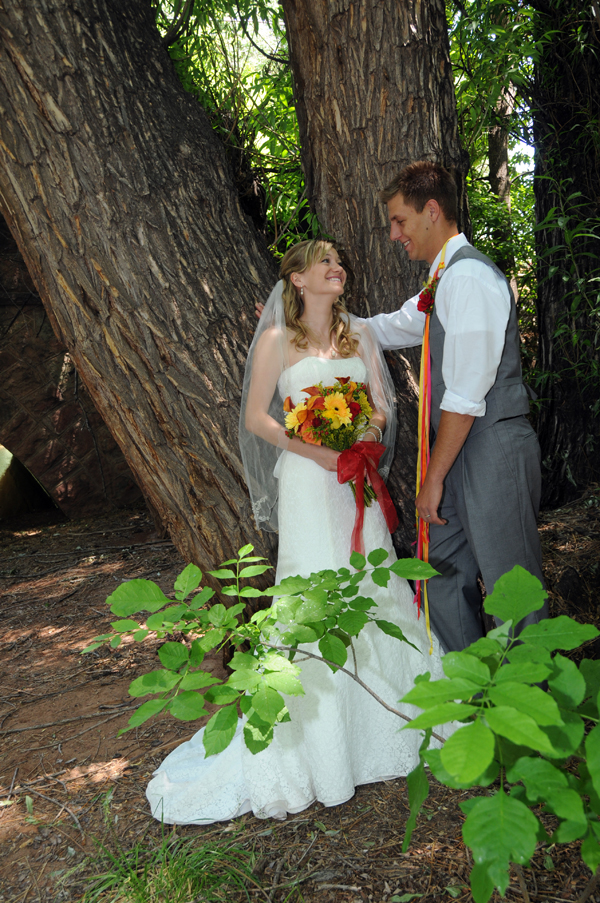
<point>566,111</point>
<point>499,176</point>
<point>121,201</point>
<point>374,91</point>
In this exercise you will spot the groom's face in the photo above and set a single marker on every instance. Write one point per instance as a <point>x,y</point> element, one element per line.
<point>412,229</point>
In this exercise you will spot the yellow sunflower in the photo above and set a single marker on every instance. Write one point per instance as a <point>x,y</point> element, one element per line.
<point>296,417</point>
<point>337,410</point>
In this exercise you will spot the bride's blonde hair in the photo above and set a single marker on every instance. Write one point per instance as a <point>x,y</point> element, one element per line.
<point>298,259</point>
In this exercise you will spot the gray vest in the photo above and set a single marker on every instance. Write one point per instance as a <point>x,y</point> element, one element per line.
<point>508,396</point>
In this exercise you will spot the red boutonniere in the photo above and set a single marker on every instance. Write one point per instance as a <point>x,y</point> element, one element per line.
<point>427,296</point>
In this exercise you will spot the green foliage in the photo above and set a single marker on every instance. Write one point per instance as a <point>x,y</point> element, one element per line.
<point>232,56</point>
<point>325,608</point>
<point>511,729</point>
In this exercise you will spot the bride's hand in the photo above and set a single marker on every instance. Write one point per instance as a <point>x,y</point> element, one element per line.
<point>258,309</point>
<point>326,458</point>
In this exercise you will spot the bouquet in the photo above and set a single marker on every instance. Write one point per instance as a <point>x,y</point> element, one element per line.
<point>336,416</point>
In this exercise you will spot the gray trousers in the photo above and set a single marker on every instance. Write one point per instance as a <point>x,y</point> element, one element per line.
<point>491,502</point>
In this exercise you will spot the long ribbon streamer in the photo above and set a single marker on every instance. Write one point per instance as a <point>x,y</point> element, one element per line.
<point>359,462</point>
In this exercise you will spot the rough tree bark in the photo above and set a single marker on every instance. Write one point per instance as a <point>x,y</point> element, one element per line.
<point>566,111</point>
<point>120,199</point>
<point>374,91</point>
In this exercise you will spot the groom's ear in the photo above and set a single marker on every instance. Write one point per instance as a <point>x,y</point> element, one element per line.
<point>433,209</point>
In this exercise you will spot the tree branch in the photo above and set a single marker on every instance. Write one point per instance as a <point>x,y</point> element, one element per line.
<point>355,677</point>
<point>269,56</point>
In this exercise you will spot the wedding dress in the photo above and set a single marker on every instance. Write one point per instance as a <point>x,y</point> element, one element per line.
<point>339,736</point>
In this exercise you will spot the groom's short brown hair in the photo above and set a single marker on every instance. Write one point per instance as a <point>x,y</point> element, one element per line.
<point>421,182</point>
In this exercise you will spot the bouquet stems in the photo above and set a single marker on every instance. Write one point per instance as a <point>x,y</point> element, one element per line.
<point>369,494</point>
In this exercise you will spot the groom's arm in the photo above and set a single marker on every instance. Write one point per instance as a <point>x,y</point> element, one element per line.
<point>450,438</point>
<point>401,329</point>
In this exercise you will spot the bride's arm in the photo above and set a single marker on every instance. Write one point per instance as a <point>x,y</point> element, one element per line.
<point>378,419</point>
<point>266,370</point>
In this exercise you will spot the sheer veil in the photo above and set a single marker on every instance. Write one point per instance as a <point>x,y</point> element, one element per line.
<point>260,457</point>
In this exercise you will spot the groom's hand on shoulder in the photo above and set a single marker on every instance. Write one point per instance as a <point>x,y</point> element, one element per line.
<point>258,309</point>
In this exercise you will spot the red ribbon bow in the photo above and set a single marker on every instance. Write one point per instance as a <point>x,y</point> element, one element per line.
<point>355,464</point>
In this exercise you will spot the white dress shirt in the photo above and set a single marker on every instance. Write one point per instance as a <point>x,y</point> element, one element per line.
<point>473,305</point>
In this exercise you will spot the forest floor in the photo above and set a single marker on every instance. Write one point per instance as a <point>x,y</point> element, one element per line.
<point>69,784</point>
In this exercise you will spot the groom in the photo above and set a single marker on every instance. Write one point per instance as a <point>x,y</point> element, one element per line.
<point>482,490</point>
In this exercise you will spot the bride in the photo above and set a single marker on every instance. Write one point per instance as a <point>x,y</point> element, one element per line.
<point>338,736</point>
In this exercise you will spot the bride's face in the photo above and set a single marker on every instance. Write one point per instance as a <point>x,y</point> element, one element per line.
<point>326,277</point>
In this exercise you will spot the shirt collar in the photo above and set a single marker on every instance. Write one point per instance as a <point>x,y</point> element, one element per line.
<point>458,241</point>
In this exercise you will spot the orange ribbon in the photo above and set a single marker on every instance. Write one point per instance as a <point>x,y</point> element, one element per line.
<point>359,462</point>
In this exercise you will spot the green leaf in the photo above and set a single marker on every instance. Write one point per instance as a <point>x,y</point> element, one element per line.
<point>433,757</point>
<point>440,714</point>
<point>312,609</point>
<point>380,576</point>
<point>115,641</point>
<point>519,654</point>
<point>243,660</point>
<point>289,586</point>
<point>173,655</point>
<point>357,561</point>
<point>136,595</point>
<point>196,654</point>
<point>202,598</point>
<point>567,804</point>
<point>377,556</point>
<point>218,615</point>
<point>530,700</point>
<point>541,778</point>
<point>591,673</point>
<point>125,626</point>
<point>566,739</point>
<point>140,635</point>
<point>412,569</point>
<point>257,734</point>
<point>485,647</point>
<point>244,679</point>
<point>300,633</point>
<point>592,751</point>
<point>500,828</point>
<point>267,703</point>
<point>221,695</point>
<point>361,603</point>
<point>518,727</point>
<point>245,551</point>
<point>332,649</point>
<point>170,616</point>
<point>187,582</point>
<point>153,682</point>
<point>146,710</point>
<point>515,595</point>
<point>569,831</point>
<point>188,706</point>
<point>353,622</point>
<point>223,574</point>
<point>284,683</point>
<point>197,680</point>
<point>418,791</point>
<point>482,886</point>
<point>558,633</point>
<point>220,730</point>
<point>590,852</point>
<point>461,664</point>
<point>567,682</point>
<point>525,672</point>
<point>468,752</point>
<point>249,592</point>
<point>255,570</point>
<point>429,693</point>
<point>393,630</point>
<point>211,639</point>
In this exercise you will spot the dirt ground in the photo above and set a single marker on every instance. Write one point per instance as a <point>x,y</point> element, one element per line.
<point>68,783</point>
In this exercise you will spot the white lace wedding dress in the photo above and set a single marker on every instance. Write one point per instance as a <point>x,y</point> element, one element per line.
<point>339,736</point>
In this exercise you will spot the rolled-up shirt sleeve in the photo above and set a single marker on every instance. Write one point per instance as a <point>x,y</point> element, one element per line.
<point>401,329</point>
<point>473,305</point>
